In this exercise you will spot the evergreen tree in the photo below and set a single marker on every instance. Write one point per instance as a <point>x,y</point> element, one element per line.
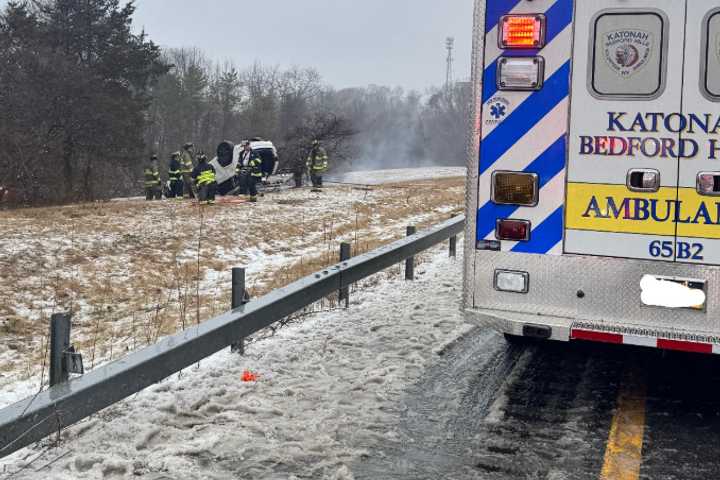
<point>90,81</point>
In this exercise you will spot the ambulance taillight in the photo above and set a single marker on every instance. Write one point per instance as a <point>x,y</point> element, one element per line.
<point>522,31</point>
<point>513,230</point>
<point>515,188</point>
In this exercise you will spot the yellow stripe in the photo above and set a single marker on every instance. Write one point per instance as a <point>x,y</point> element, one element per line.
<point>587,204</point>
<point>691,201</point>
<point>580,196</point>
<point>623,455</point>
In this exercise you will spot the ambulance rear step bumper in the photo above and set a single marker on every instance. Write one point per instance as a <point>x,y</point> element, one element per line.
<point>566,329</point>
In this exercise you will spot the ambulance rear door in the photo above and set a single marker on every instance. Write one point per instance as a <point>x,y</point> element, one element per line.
<point>622,160</point>
<point>698,224</point>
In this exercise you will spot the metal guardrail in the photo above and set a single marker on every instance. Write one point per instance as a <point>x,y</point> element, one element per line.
<point>37,417</point>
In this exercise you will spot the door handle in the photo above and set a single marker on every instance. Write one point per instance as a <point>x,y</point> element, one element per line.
<point>643,180</point>
<point>708,183</point>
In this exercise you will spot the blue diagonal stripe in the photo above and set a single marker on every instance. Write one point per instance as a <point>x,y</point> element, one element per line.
<point>496,9</point>
<point>546,166</point>
<point>558,16</point>
<point>523,118</point>
<point>545,236</point>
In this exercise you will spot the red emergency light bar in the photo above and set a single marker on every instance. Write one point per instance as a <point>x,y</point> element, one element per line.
<point>522,31</point>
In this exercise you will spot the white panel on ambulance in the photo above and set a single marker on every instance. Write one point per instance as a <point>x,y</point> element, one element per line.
<point>624,146</point>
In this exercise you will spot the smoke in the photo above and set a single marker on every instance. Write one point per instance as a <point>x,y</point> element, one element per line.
<point>396,148</point>
<point>410,130</point>
<point>399,146</point>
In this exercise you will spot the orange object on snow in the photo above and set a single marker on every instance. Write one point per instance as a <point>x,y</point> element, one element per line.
<point>249,376</point>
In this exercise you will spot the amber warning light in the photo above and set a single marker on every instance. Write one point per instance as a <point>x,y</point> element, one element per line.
<point>522,31</point>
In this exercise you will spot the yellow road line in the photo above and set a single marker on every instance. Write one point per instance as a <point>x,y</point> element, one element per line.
<point>623,455</point>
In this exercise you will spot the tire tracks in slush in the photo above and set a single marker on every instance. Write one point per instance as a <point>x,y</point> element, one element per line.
<point>489,410</point>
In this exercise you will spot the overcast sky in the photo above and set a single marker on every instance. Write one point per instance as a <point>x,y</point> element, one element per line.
<point>351,42</point>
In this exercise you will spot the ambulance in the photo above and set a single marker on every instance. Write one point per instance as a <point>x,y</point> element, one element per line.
<point>593,209</point>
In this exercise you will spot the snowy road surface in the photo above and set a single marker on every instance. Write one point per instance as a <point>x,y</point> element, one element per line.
<point>379,177</point>
<point>492,411</point>
<point>395,388</point>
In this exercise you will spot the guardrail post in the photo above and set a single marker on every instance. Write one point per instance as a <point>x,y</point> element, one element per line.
<point>36,417</point>
<point>344,293</point>
<point>240,297</point>
<point>410,262</point>
<point>59,344</point>
<point>453,246</point>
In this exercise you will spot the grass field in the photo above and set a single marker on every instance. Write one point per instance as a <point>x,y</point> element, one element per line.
<point>133,271</point>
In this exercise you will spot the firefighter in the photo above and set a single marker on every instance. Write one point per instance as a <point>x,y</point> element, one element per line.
<point>186,168</point>
<point>175,176</point>
<point>153,190</point>
<point>204,176</point>
<point>317,164</point>
<point>250,168</point>
<point>298,170</point>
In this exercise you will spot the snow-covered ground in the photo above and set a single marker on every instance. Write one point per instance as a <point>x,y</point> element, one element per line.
<point>379,177</point>
<point>326,396</point>
<point>129,270</point>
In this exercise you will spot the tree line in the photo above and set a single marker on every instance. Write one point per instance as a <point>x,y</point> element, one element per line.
<point>84,102</point>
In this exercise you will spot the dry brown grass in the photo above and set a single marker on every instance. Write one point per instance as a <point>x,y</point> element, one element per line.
<point>129,270</point>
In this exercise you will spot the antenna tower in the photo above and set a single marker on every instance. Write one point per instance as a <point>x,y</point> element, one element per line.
<point>449,45</point>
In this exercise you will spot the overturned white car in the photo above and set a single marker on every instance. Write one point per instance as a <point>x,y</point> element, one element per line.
<point>228,156</point>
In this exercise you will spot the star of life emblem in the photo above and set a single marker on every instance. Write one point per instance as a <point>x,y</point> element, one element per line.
<point>627,51</point>
<point>497,109</point>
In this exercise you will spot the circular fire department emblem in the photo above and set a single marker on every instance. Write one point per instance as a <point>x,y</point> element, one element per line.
<point>627,51</point>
